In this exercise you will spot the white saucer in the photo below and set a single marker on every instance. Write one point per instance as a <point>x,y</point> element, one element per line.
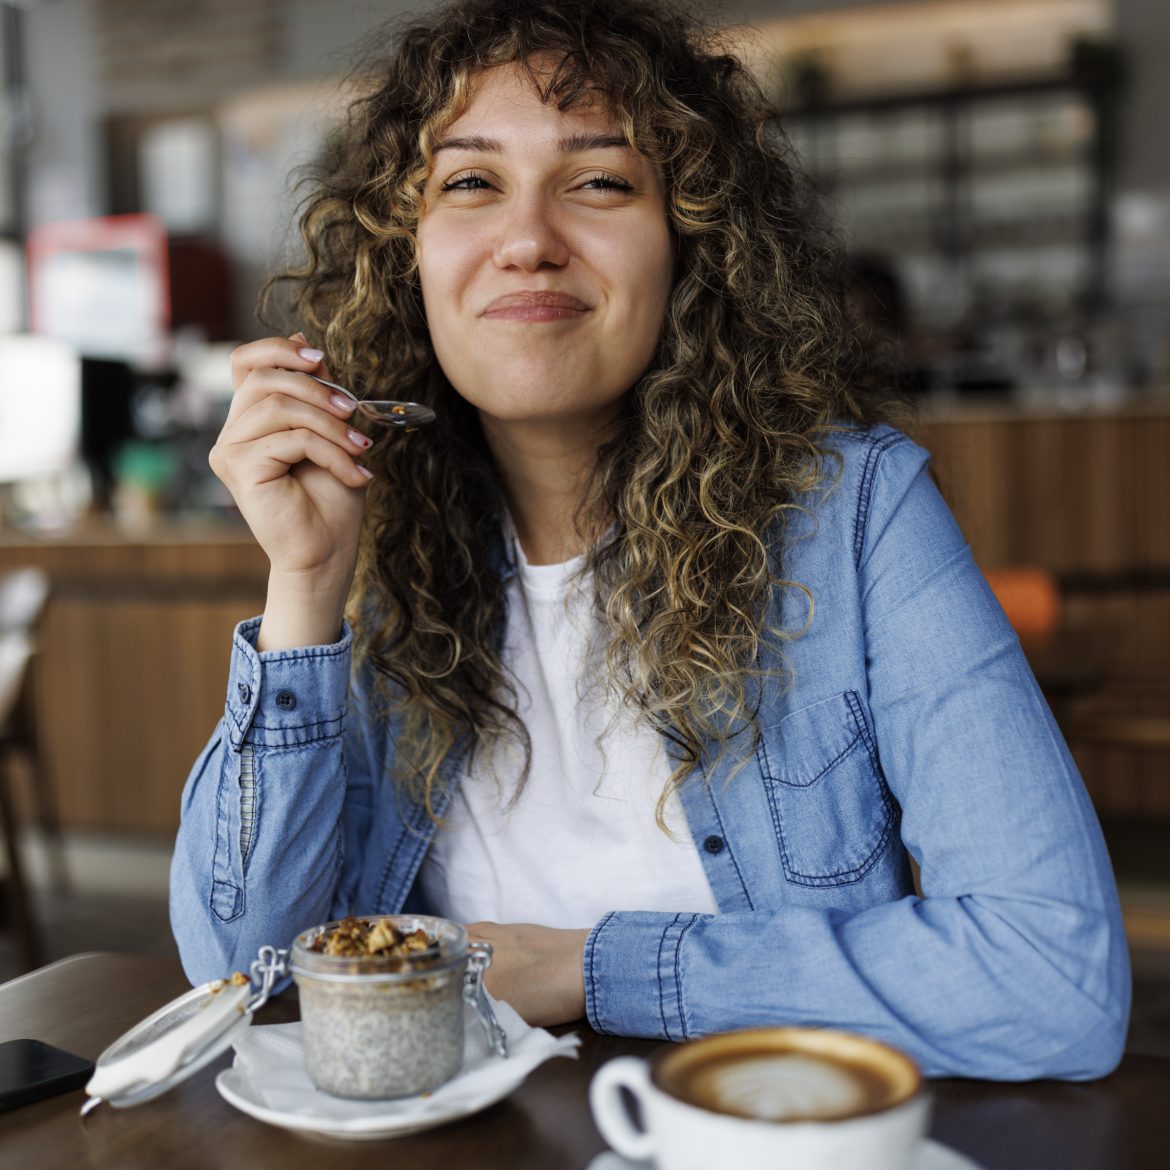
<point>269,1082</point>
<point>930,1156</point>
<point>381,1119</point>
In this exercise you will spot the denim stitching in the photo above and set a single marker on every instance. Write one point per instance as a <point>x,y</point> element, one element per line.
<point>868,473</point>
<point>843,876</point>
<point>222,857</point>
<point>309,745</point>
<point>857,872</point>
<point>847,877</point>
<point>592,976</point>
<point>851,697</point>
<point>870,746</point>
<point>249,650</point>
<point>826,769</point>
<point>249,793</point>
<point>661,993</point>
<point>296,726</point>
<point>682,1018</point>
<point>243,728</point>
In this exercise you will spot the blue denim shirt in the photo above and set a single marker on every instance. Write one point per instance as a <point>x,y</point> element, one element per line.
<point>904,722</point>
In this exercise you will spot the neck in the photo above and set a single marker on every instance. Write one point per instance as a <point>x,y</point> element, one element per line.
<point>545,473</point>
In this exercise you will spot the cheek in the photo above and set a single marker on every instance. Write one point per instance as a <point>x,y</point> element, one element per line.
<point>648,254</point>
<point>646,267</point>
<point>443,271</point>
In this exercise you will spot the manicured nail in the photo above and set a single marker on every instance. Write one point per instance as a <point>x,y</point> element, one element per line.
<point>342,403</point>
<point>311,355</point>
<point>365,471</point>
<point>359,439</point>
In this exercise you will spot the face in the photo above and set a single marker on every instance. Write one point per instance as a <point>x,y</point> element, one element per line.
<point>544,257</point>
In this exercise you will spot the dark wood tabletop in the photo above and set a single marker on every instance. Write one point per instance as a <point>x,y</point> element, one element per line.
<point>85,1002</point>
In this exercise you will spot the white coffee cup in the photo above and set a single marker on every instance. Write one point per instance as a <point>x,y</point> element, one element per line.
<point>781,1098</point>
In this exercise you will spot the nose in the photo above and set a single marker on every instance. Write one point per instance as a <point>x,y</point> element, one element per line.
<point>529,238</point>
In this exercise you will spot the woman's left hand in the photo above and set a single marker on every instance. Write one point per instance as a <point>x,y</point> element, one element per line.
<point>537,969</point>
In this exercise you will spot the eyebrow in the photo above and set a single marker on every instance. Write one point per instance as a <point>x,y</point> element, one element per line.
<point>572,144</point>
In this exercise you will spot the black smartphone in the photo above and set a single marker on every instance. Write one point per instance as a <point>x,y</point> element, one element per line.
<point>31,1070</point>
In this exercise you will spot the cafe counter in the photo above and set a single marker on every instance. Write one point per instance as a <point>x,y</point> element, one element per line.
<point>136,641</point>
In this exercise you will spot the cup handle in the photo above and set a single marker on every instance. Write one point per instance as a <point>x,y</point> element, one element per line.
<point>610,1112</point>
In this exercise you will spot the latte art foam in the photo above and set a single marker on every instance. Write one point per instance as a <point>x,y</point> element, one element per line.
<point>784,1087</point>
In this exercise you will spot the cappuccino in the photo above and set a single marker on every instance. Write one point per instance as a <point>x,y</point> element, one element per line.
<point>787,1074</point>
<point>800,1098</point>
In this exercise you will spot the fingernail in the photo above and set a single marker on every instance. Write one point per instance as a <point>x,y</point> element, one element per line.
<point>341,402</point>
<point>365,471</point>
<point>359,439</point>
<point>311,355</point>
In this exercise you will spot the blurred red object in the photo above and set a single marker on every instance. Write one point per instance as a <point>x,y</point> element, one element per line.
<point>1031,598</point>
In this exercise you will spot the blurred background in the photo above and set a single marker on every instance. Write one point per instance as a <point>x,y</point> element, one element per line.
<point>1000,169</point>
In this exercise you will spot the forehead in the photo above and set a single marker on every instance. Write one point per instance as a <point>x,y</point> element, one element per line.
<point>509,96</point>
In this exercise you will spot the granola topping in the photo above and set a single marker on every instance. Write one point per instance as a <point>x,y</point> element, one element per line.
<point>373,938</point>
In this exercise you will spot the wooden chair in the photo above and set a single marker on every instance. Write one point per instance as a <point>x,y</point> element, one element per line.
<point>24,596</point>
<point>16,653</point>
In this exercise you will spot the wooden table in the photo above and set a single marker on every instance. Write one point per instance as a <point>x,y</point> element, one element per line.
<point>84,1002</point>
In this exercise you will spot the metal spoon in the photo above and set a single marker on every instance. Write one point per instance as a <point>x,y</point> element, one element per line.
<point>386,411</point>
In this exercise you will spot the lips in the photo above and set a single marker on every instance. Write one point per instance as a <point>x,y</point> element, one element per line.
<point>536,306</point>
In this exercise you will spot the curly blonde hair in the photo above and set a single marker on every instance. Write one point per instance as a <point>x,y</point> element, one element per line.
<point>722,435</point>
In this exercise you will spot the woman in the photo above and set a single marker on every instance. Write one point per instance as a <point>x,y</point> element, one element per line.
<point>667,659</point>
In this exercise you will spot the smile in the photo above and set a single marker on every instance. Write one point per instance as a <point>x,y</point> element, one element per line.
<point>536,307</point>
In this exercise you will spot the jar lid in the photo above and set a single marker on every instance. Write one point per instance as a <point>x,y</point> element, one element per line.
<point>180,1038</point>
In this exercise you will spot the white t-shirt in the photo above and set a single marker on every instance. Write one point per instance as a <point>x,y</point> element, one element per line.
<point>581,839</point>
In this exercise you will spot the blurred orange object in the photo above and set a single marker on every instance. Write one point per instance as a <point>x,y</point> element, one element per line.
<point>1030,597</point>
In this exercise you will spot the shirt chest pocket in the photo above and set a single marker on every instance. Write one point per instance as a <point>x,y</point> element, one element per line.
<point>832,811</point>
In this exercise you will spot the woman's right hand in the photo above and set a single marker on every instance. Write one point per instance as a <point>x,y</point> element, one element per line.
<point>287,453</point>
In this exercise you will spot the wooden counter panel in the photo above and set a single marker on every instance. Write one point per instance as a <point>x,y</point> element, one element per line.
<point>134,658</point>
<point>1077,493</point>
<point>129,693</point>
<point>98,551</point>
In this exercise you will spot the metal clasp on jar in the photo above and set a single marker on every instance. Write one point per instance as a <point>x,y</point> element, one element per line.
<point>479,959</point>
<point>270,965</point>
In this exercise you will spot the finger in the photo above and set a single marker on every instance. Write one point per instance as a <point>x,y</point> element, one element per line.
<point>280,412</point>
<point>268,459</point>
<point>266,381</point>
<point>286,353</point>
<point>322,371</point>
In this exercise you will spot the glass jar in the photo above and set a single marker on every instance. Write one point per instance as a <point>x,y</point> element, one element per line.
<point>378,1027</point>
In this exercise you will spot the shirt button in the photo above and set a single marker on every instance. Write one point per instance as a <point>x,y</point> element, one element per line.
<point>713,845</point>
<point>245,693</point>
<point>286,700</point>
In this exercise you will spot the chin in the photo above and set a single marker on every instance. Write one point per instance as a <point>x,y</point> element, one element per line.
<point>527,399</point>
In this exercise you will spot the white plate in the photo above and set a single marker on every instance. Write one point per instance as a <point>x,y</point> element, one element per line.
<point>268,1081</point>
<point>410,1116</point>
<point>930,1156</point>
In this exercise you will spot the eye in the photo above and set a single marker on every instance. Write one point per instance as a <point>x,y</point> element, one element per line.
<point>468,181</point>
<point>607,182</point>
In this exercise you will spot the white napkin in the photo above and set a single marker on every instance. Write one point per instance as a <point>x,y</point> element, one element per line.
<point>271,1057</point>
